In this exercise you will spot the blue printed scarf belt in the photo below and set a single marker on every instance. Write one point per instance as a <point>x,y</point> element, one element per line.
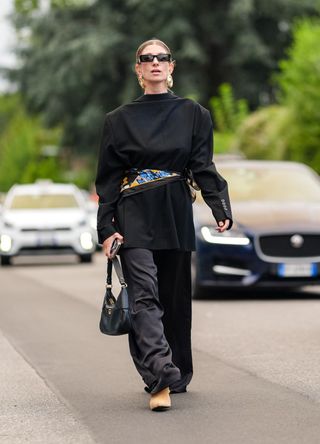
<point>137,180</point>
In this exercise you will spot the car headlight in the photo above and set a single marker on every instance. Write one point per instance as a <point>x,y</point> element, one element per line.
<point>86,240</point>
<point>212,236</point>
<point>5,243</point>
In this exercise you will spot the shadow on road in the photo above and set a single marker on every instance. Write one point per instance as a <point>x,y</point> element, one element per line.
<point>43,260</point>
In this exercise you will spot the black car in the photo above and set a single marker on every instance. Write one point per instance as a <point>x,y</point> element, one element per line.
<point>275,239</point>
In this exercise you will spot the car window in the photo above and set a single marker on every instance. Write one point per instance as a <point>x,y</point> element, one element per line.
<point>43,201</point>
<point>267,183</point>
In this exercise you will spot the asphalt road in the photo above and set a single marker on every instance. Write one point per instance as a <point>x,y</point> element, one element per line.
<point>256,360</point>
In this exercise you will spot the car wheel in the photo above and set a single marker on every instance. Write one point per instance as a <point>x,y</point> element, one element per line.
<point>5,260</point>
<point>85,258</point>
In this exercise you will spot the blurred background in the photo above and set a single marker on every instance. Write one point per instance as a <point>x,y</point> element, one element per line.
<point>65,63</point>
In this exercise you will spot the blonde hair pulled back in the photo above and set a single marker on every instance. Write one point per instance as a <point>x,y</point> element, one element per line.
<point>151,42</point>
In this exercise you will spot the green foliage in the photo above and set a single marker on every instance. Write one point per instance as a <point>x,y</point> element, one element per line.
<point>223,142</point>
<point>78,62</point>
<point>299,81</point>
<point>21,143</point>
<point>69,3</point>
<point>290,130</point>
<point>227,111</point>
<point>29,6</point>
<point>26,6</point>
<point>8,107</point>
<point>262,134</point>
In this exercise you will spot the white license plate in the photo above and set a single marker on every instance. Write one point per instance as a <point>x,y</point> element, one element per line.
<point>297,270</point>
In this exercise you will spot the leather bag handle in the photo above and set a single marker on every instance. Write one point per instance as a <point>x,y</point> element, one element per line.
<point>117,267</point>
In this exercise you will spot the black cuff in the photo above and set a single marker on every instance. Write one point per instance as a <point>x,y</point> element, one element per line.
<point>105,232</point>
<point>221,215</point>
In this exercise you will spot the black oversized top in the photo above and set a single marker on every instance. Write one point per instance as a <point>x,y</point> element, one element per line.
<point>165,132</point>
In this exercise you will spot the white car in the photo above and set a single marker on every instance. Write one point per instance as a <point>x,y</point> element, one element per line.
<point>92,210</point>
<point>45,218</point>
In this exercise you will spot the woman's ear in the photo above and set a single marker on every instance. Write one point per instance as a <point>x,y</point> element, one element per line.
<point>137,69</point>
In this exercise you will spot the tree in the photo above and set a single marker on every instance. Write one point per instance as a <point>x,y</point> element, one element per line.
<point>77,60</point>
<point>299,81</point>
<point>290,130</point>
<point>8,107</point>
<point>22,141</point>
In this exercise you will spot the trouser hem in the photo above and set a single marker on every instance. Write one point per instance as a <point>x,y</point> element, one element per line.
<point>163,383</point>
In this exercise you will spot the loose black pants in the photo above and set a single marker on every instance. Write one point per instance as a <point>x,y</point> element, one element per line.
<point>159,287</point>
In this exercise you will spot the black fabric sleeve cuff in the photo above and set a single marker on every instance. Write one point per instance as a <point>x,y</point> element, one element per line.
<point>221,215</point>
<point>105,232</point>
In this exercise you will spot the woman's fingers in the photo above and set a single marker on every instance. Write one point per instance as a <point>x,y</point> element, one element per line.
<point>223,225</point>
<point>106,246</point>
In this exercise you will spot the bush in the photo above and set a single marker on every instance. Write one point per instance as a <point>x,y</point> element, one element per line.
<point>263,134</point>
<point>228,113</point>
<point>223,142</point>
<point>21,144</point>
<point>9,104</point>
<point>291,129</point>
<point>299,80</point>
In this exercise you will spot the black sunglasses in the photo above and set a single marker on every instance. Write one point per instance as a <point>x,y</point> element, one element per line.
<point>150,57</point>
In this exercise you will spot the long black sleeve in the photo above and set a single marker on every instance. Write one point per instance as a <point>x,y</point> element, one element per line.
<point>110,171</point>
<point>214,188</point>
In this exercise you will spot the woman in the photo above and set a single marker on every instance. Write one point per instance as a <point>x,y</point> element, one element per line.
<point>147,147</point>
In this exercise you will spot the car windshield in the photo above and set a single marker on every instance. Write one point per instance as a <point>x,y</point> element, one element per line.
<point>270,184</point>
<point>43,201</point>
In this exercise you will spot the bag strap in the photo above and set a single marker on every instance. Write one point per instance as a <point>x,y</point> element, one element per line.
<point>117,267</point>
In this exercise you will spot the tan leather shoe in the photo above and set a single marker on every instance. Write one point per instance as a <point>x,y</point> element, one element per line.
<point>160,401</point>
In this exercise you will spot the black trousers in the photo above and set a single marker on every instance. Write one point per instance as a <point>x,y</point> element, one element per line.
<point>159,287</point>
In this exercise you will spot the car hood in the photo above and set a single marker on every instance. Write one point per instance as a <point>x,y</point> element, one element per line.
<point>268,216</point>
<point>45,219</point>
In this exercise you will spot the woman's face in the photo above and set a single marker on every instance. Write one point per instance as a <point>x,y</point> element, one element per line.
<point>154,71</point>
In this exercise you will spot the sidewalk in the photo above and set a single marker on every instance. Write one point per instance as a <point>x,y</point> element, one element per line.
<point>29,410</point>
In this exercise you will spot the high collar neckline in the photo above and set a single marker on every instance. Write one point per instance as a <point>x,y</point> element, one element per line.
<point>154,97</point>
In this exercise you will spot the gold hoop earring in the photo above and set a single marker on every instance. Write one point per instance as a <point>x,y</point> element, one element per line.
<point>169,81</point>
<point>141,82</point>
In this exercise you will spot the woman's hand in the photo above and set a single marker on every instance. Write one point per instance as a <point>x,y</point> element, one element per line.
<point>106,246</point>
<point>223,225</point>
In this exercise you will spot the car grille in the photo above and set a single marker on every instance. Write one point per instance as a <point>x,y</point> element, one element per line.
<point>290,245</point>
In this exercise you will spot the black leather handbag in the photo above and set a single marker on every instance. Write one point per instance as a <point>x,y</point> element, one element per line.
<point>115,314</point>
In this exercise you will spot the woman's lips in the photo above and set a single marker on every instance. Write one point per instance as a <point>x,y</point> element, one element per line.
<point>155,71</point>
